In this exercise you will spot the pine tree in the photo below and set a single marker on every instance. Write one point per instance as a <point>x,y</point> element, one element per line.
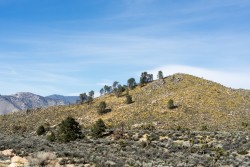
<point>101,91</point>
<point>131,83</point>
<point>98,128</point>
<point>69,130</point>
<point>83,97</point>
<point>91,96</point>
<point>160,75</point>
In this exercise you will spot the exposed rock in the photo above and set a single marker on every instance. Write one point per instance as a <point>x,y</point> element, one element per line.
<point>8,153</point>
<point>17,161</point>
<point>186,144</point>
<point>110,163</point>
<point>144,138</point>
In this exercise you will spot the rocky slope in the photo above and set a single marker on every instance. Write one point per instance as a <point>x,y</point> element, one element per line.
<point>25,100</point>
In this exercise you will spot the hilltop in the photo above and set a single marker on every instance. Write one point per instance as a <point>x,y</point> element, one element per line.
<point>201,105</point>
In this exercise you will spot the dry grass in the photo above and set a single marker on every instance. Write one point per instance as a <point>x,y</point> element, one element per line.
<point>200,103</point>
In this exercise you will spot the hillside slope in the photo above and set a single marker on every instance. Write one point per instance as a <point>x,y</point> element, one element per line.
<point>201,104</point>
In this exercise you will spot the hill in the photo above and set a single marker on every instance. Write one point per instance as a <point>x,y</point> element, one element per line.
<point>201,104</point>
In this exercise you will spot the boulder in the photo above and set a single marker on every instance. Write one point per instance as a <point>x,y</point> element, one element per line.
<point>17,161</point>
<point>8,153</point>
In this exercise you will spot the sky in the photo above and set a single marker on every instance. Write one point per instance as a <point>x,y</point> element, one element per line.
<point>69,47</point>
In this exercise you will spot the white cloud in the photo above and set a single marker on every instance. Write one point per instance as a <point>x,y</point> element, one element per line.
<point>102,84</point>
<point>74,94</point>
<point>105,82</point>
<point>228,78</point>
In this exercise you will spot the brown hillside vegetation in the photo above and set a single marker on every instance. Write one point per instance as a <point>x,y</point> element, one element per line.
<point>200,104</point>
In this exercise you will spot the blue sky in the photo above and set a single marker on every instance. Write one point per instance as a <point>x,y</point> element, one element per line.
<point>68,47</point>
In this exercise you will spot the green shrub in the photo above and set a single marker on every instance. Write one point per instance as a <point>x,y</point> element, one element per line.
<point>98,128</point>
<point>101,107</point>
<point>242,152</point>
<point>129,99</point>
<point>40,130</point>
<point>179,128</point>
<point>143,144</point>
<point>204,128</point>
<point>19,129</point>
<point>148,126</point>
<point>68,130</point>
<point>244,124</point>
<point>171,104</point>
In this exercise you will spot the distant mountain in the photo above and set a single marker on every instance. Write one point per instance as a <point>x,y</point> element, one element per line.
<point>26,100</point>
<point>66,99</point>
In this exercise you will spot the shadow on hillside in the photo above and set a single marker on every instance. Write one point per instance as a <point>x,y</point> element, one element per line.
<point>132,102</point>
<point>106,111</point>
<point>173,107</point>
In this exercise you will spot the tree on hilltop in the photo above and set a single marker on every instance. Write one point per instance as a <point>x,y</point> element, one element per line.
<point>91,96</point>
<point>115,84</point>
<point>160,75</point>
<point>146,78</point>
<point>101,91</point>
<point>83,97</point>
<point>131,83</point>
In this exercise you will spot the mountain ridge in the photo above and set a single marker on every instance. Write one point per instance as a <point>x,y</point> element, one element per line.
<point>66,99</point>
<point>26,100</point>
